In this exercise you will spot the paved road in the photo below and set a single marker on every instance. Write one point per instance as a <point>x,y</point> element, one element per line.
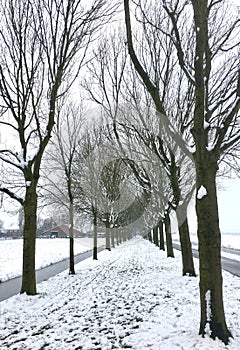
<point>232,266</point>
<point>13,286</point>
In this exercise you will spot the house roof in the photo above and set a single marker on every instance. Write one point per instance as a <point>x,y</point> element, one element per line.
<point>64,229</point>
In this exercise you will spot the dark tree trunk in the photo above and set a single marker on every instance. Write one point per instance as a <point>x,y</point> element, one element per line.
<point>212,309</point>
<point>108,243</point>
<point>71,241</point>
<point>168,234</point>
<point>206,165</point>
<point>29,242</point>
<point>117,236</point>
<point>155,236</point>
<point>113,237</point>
<point>186,248</point>
<point>120,235</point>
<point>150,236</point>
<point>181,213</point>
<point>95,252</point>
<point>161,235</point>
<point>71,260</point>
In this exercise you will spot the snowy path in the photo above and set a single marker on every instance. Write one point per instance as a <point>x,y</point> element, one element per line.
<point>132,298</point>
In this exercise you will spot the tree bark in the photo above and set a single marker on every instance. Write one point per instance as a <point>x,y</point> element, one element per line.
<point>212,308</point>
<point>161,235</point>
<point>113,237</point>
<point>117,236</point>
<point>206,165</point>
<point>150,236</point>
<point>95,252</point>
<point>155,236</point>
<point>108,243</point>
<point>168,234</point>
<point>71,241</point>
<point>186,248</point>
<point>120,236</point>
<point>29,241</point>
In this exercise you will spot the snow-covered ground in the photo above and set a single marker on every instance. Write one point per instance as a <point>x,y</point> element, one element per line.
<point>132,297</point>
<point>48,251</point>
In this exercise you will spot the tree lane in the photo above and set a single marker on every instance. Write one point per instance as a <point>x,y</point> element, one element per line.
<point>13,286</point>
<point>229,265</point>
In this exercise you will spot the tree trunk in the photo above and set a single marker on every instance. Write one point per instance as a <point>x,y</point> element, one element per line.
<point>155,236</point>
<point>168,234</point>
<point>206,165</point>
<point>117,236</point>
<point>161,235</point>
<point>108,244</point>
<point>29,242</point>
<point>120,235</point>
<point>186,247</point>
<point>71,241</point>
<point>95,252</point>
<point>124,234</point>
<point>113,237</point>
<point>212,309</point>
<point>150,236</point>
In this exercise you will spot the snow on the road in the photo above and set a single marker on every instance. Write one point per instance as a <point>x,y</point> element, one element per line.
<point>132,297</point>
<point>48,251</point>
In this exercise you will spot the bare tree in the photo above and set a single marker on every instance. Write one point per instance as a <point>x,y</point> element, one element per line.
<point>204,34</point>
<point>43,46</point>
<point>58,167</point>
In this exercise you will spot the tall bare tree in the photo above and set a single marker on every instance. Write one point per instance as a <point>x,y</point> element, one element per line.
<point>205,37</point>
<point>59,163</point>
<point>43,45</point>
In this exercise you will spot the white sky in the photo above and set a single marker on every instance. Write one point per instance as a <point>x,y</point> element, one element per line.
<point>229,206</point>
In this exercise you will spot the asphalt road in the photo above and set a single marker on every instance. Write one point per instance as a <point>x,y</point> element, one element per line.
<point>13,286</point>
<point>232,266</point>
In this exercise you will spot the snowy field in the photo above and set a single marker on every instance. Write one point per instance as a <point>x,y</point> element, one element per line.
<point>48,251</point>
<point>132,297</point>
